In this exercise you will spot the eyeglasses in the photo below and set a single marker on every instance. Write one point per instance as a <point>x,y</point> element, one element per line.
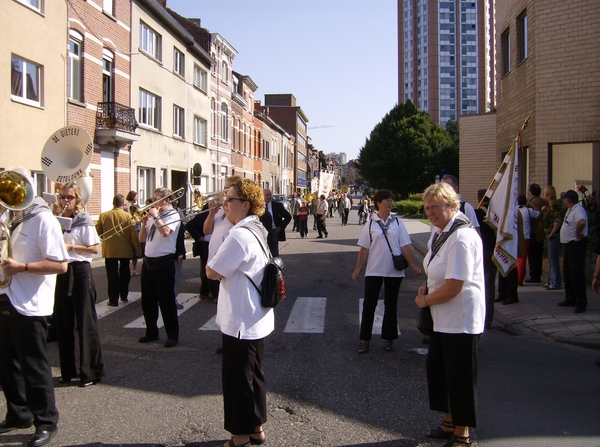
<point>62,196</point>
<point>433,208</point>
<point>229,199</point>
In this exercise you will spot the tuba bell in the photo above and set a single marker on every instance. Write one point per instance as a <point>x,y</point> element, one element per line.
<point>16,194</point>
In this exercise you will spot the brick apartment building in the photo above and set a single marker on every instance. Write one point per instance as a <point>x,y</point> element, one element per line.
<point>548,64</point>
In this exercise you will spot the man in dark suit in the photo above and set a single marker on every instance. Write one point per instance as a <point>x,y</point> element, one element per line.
<point>275,219</point>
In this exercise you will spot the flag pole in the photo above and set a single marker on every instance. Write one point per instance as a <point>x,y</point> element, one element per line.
<point>503,160</point>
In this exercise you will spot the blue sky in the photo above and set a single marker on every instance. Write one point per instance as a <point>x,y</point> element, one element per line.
<point>337,57</point>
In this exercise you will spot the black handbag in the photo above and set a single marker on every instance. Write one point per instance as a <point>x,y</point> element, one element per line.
<point>425,321</point>
<point>400,262</point>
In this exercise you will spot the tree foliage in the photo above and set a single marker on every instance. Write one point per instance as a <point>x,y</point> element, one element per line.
<point>405,151</point>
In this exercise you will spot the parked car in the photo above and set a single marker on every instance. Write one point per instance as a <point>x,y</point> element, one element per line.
<point>281,198</point>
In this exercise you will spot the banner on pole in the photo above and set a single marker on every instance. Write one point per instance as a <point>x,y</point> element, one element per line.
<point>325,182</point>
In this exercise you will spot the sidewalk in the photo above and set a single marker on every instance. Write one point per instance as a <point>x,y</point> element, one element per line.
<point>537,312</point>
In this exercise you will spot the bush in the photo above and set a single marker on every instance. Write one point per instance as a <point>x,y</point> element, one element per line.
<point>416,196</point>
<point>408,207</point>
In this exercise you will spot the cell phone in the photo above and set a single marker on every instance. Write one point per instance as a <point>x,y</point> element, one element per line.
<point>49,198</point>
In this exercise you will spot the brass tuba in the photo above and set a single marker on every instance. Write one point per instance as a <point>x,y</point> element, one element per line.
<point>16,194</point>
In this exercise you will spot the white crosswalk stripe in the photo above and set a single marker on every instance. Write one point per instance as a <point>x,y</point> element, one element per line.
<point>187,299</point>
<point>307,316</point>
<point>378,320</point>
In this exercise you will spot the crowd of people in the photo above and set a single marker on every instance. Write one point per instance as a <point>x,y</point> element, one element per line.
<point>50,274</point>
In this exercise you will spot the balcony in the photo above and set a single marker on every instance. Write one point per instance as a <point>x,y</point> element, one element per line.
<point>115,124</point>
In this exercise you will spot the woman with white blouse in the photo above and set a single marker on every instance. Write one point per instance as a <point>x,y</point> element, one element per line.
<point>455,291</point>
<point>75,294</point>
<point>382,229</point>
<point>244,323</point>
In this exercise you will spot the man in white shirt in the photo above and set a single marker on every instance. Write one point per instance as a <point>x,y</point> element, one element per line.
<point>573,236</point>
<point>159,230</point>
<point>322,216</point>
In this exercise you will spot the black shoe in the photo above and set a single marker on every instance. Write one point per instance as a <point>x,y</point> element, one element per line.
<point>319,237</point>
<point>566,303</point>
<point>533,281</point>
<point>5,428</point>
<point>510,301</point>
<point>41,437</point>
<point>147,339</point>
<point>579,310</point>
<point>326,234</point>
<point>498,300</point>
<point>170,343</point>
<point>63,380</point>
<point>124,301</point>
<point>109,304</point>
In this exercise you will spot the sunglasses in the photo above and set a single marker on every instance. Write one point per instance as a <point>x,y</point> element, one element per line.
<point>229,199</point>
<point>62,196</point>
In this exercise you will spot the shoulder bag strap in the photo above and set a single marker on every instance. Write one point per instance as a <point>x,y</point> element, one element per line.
<point>386,238</point>
<point>267,254</point>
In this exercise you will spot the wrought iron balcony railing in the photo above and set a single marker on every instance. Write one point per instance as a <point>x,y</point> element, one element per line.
<point>112,115</point>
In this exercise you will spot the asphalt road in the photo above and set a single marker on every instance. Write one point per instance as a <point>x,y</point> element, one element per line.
<point>320,391</point>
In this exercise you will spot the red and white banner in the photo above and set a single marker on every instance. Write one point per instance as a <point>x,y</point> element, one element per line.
<point>325,182</point>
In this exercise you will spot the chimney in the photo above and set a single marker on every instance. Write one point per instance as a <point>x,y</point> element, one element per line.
<point>195,21</point>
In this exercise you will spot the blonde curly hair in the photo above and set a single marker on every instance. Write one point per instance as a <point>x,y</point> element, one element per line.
<point>253,193</point>
<point>442,192</point>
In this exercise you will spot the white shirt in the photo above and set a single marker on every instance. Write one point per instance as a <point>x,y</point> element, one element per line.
<point>85,235</point>
<point>221,227</point>
<point>34,240</point>
<point>528,214</point>
<point>323,207</point>
<point>568,230</point>
<point>160,245</point>
<point>461,258</point>
<point>239,313</point>
<point>379,262</point>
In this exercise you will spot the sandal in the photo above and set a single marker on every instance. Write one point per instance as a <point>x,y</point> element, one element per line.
<point>458,441</point>
<point>258,441</point>
<point>363,348</point>
<point>388,345</point>
<point>439,432</point>
<point>230,443</point>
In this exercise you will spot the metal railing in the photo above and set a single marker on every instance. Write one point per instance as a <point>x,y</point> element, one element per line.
<point>112,115</point>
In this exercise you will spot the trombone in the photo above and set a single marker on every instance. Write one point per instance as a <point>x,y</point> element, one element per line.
<point>196,209</point>
<point>137,215</point>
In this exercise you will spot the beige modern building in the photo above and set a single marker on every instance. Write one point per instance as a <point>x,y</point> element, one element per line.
<point>170,90</point>
<point>34,70</point>
<point>547,67</point>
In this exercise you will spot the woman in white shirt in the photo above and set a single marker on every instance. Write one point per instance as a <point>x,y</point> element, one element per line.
<point>455,291</point>
<point>75,294</point>
<point>243,322</point>
<point>382,229</point>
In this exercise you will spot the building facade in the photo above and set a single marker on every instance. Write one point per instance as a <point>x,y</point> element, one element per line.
<point>445,56</point>
<point>171,95</point>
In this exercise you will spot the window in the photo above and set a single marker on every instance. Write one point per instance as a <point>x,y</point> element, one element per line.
<point>25,78</point>
<point>213,117</point>
<point>522,30</point>
<point>150,41</point>
<point>108,83</point>
<point>75,66</point>
<point>163,178</point>
<point>266,154</point>
<point>33,4</point>
<point>178,62</point>
<point>224,72</point>
<point>200,78</point>
<point>505,52</point>
<point>149,111</point>
<point>145,184</point>
<point>178,122</point>
<point>199,131</point>
<point>107,6</point>
<point>224,120</point>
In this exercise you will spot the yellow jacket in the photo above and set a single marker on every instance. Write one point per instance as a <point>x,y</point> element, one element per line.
<point>123,244</point>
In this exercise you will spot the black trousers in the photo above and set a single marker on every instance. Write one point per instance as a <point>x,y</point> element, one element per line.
<point>75,310</point>
<point>321,226</point>
<point>574,273</point>
<point>158,289</point>
<point>273,241</point>
<point>296,220</point>
<point>118,276</point>
<point>508,285</point>
<point>452,376</point>
<point>345,213</point>
<point>244,389</point>
<point>490,271</point>
<point>25,372</point>
<point>204,285</point>
<point>536,251</point>
<point>389,328</point>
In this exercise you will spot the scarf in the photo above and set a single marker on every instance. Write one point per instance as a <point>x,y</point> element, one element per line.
<point>439,238</point>
<point>38,205</point>
<point>81,220</point>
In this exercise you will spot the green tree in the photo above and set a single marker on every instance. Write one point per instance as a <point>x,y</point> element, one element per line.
<point>405,151</point>
<point>453,131</point>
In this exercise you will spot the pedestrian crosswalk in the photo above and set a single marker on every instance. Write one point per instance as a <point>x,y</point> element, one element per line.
<point>307,315</point>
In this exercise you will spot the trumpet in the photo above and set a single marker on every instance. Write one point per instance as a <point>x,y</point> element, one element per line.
<point>137,215</point>
<point>196,209</point>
